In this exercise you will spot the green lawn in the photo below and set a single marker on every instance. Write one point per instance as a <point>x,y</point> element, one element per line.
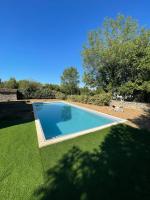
<point>113,163</point>
<point>20,162</point>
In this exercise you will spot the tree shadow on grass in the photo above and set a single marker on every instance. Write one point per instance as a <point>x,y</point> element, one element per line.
<point>13,113</point>
<point>118,169</point>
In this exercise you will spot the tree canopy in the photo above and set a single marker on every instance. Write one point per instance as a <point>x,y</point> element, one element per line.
<point>118,56</point>
<point>70,80</point>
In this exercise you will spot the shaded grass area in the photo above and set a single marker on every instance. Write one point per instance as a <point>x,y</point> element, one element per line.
<point>20,162</point>
<point>110,164</point>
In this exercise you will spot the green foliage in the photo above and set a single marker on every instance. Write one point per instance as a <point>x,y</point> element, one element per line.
<point>139,91</point>
<point>99,99</point>
<point>41,93</point>
<point>1,84</point>
<point>70,80</point>
<point>117,54</point>
<point>86,91</point>
<point>60,95</point>
<point>146,86</point>
<point>28,89</point>
<point>128,88</point>
<point>52,87</point>
<point>28,84</point>
<point>78,98</point>
<point>11,84</point>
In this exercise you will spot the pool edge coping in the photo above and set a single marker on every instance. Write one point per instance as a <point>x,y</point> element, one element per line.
<point>42,142</point>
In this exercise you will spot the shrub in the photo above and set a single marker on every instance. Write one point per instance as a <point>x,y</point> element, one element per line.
<point>78,98</point>
<point>59,95</point>
<point>72,98</point>
<point>43,93</point>
<point>136,91</point>
<point>83,98</point>
<point>100,99</point>
<point>25,93</point>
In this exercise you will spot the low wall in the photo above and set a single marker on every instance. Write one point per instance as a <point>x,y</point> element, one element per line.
<point>8,97</point>
<point>133,105</point>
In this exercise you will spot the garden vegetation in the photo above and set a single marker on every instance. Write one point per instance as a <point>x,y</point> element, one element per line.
<point>117,59</point>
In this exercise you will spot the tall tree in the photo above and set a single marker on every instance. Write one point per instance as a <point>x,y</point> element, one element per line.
<point>70,80</point>
<point>117,53</point>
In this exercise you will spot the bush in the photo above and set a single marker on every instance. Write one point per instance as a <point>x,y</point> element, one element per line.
<point>59,95</point>
<point>135,91</point>
<point>78,98</point>
<point>43,93</point>
<point>100,99</point>
<point>72,98</point>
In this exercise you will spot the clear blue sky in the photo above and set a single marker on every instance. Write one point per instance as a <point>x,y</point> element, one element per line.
<point>39,38</point>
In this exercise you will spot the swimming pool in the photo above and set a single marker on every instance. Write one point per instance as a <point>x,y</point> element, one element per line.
<point>57,121</point>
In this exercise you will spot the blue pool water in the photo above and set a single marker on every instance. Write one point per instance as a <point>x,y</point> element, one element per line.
<point>58,119</point>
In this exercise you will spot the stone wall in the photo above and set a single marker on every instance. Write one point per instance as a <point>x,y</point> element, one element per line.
<point>8,97</point>
<point>133,105</point>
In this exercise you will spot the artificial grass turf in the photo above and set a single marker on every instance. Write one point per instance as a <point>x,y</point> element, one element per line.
<point>21,168</point>
<point>109,164</point>
<point>112,163</point>
<point>20,163</point>
<point>52,154</point>
<point>21,171</point>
